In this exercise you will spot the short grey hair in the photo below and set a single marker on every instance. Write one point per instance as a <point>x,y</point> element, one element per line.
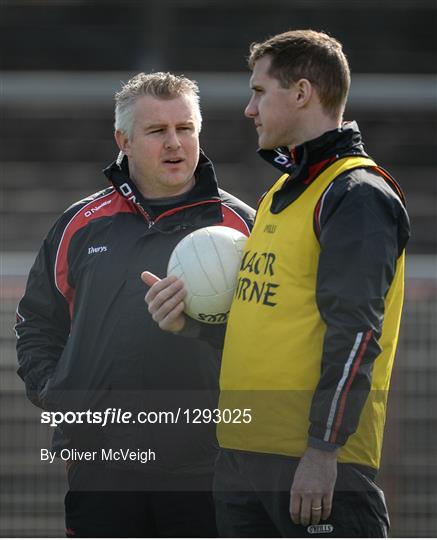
<point>158,85</point>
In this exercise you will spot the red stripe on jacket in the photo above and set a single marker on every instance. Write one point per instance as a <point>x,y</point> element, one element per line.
<point>354,370</point>
<point>232,219</point>
<point>106,205</point>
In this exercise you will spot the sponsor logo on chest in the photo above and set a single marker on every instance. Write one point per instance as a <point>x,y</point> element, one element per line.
<point>97,249</point>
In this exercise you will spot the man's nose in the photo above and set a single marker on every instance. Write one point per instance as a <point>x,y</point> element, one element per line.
<point>251,110</point>
<point>172,139</point>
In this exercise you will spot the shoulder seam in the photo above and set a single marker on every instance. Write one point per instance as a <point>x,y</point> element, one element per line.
<point>238,215</point>
<point>78,210</point>
<point>78,205</point>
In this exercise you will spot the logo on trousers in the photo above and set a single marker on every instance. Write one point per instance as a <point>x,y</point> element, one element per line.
<point>320,529</point>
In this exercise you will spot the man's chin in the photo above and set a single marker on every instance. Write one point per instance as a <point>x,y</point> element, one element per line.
<point>179,184</point>
<point>264,144</point>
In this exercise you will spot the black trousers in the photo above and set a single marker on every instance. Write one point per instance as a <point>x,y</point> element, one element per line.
<point>252,496</point>
<point>94,507</point>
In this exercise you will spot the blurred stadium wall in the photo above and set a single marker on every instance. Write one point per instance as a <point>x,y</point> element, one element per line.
<point>62,62</point>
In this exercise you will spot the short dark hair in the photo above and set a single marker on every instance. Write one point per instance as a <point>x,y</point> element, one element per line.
<point>307,54</point>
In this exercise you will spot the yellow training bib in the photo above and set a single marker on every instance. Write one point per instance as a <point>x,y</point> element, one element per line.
<point>274,340</point>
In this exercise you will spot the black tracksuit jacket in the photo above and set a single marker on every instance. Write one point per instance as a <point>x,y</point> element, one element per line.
<point>86,339</point>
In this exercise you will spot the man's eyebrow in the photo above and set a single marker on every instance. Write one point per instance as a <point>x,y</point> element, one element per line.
<point>163,124</point>
<point>154,126</point>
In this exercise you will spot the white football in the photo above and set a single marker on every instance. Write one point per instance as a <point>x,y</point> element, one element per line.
<point>208,261</point>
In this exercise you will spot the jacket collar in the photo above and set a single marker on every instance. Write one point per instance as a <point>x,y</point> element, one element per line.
<point>333,144</point>
<point>304,164</point>
<point>205,188</point>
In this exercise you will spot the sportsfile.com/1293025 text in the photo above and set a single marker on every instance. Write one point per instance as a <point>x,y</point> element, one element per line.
<point>118,416</point>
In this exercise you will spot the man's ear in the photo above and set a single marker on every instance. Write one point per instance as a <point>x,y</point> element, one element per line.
<point>304,92</point>
<point>122,141</point>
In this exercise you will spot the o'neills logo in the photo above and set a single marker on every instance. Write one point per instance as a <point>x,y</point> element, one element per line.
<point>128,193</point>
<point>320,529</point>
<point>280,159</point>
<point>91,211</point>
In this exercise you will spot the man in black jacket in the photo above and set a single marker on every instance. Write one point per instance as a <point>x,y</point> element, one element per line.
<point>313,327</point>
<point>87,343</point>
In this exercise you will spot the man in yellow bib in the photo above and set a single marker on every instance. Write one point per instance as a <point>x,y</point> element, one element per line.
<point>313,328</point>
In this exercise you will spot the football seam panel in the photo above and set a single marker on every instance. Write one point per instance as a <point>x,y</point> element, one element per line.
<point>220,260</point>
<point>202,267</point>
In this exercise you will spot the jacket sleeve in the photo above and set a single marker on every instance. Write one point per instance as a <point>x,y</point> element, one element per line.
<point>43,321</point>
<point>213,334</point>
<point>363,230</point>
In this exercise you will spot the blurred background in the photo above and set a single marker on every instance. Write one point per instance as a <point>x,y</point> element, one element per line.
<point>62,62</point>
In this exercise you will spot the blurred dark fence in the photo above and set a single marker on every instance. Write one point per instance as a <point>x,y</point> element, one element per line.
<point>63,62</point>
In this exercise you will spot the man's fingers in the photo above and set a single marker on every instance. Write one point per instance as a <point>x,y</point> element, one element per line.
<point>172,283</point>
<point>295,507</point>
<point>305,510</point>
<point>172,317</point>
<point>172,292</point>
<point>316,511</point>
<point>327,506</point>
<point>165,302</point>
<point>149,278</point>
